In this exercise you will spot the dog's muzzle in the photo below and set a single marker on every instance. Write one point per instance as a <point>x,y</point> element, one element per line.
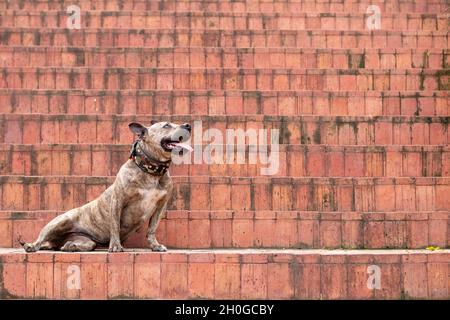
<point>175,142</point>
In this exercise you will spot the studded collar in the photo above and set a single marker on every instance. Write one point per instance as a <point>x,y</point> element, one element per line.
<point>147,163</point>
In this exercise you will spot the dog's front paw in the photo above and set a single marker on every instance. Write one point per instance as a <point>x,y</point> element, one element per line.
<point>159,248</point>
<point>115,247</point>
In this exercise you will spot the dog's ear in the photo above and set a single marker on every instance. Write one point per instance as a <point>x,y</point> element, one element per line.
<point>137,129</point>
<point>152,122</point>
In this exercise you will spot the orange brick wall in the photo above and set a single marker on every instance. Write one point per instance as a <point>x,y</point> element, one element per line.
<point>225,275</point>
<point>364,159</point>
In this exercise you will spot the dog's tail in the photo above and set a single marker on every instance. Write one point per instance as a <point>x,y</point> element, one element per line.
<point>19,239</point>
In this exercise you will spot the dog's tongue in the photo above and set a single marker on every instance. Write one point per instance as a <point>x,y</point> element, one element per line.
<point>184,146</point>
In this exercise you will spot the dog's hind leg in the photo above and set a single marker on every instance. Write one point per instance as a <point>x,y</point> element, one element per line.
<point>36,246</point>
<point>51,233</point>
<point>48,246</point>
<point>79,244</point>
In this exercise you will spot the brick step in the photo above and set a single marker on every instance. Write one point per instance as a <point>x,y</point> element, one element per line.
<point>265,229</point>
<point>248,58</point>
<point>294,161</point>
<point>315,39</point>
<point>225,79</point>
<point>232,274</point>
<point>217,102</point>
<point>387,130</point>
<point>429,6</point>
<point>225,21</point>
<point>242,193</point>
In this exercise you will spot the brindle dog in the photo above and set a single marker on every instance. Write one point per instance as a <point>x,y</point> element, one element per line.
<point>141,191</point>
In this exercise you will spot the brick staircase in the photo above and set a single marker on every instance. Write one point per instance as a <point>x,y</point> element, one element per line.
<point>363,115</point>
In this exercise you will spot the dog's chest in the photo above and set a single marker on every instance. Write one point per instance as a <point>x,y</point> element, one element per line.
<point>149,199</point>
<point>141,208</point>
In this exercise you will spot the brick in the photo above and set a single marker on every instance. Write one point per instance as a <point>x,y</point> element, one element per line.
<point>306,275</point>
<point>308,232</point>
<point>14,280</point>
<point>227,283</point>
<point>67,280</point>
<point>174,282</point>
<point>280,281</point>
<point>221,199</point>
<point>199,233</point>
<point>415,280</point>
<point>120,279</point>
<point>6,235</point>
<point>281,197</point>
<point>354,164</point>
<point>315,163</point>
<point>334,281</point>
<point>358,282</point>
<point>200,196</point>
<point>240,197</point>
<point>254,281</point>
<point>261,193</point>
<point>94,280</point>
<point>395,232</point>
<point>391,285</point>
<point>438,233</point>
<point>201,280</point>
<point>330,234</point>
<point>438,286</point>
<point>40,280</point>
<point>308,281</point>
<point>418,234</point>
<point>221,233</point>
<point>147,279</point>
<point>442,200</point>
<point>242,233</point>
<point>263,233</point>
<point>12,196</point>
<point>352,236</point>
<point>285,232</point>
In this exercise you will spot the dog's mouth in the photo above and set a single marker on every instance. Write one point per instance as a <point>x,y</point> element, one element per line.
<point>170,145</point>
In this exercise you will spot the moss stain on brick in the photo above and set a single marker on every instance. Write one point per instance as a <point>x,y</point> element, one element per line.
<point>421,81</point>
<point>186,194</point>
<point>305,139</point>
<point>285,134</point>
<point>444,120</point>
<point>443,79</point>
<point>43,15</point>
<point>317,138</point>
<point>418,108</point>
<point>121,297</point>
<point>18,215</point>
<point>445,65</point>
<point>356,61</point>
<point>4,37</point>
<point>79,55</point>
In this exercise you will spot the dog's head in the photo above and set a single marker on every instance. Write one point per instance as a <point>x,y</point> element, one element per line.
<point>161,139</point>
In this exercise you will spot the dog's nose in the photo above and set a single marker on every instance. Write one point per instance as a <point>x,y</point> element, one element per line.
<point>186,126</point>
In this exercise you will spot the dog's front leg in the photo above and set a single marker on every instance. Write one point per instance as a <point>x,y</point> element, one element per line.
<point>114,226</point>
<point>154,222</point>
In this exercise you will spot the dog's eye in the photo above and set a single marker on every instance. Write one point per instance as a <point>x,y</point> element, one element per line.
<point>167,126</point>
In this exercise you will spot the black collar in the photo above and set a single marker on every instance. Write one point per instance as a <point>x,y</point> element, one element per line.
<point>147,163</point>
